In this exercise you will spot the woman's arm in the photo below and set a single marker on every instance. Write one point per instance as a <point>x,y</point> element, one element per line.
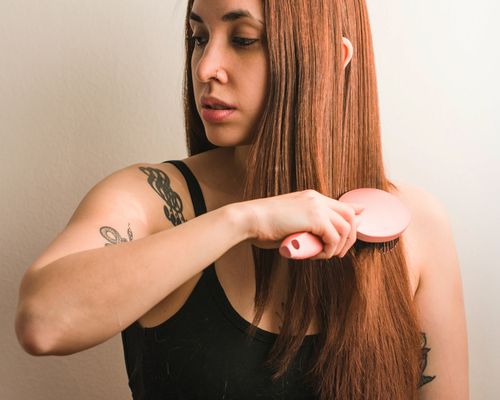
<point>79,293</point>
<point>439,299</point>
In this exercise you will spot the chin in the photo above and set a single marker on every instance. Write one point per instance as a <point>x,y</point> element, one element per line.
<point>227,140</point>
<point>226,144</point>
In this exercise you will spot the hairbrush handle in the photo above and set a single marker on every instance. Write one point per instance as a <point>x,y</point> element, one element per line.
<point>383,219</point>
<point>301,245</point>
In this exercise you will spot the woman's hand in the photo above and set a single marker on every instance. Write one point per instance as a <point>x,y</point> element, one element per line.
<point>333,221</point>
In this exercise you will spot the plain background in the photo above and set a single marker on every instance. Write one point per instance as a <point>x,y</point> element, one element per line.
<point>89,87</point>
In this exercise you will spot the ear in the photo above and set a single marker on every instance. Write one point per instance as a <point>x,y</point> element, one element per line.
<point>347,50</point>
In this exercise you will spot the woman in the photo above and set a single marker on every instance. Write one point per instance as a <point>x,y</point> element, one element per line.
<point>190,256</point>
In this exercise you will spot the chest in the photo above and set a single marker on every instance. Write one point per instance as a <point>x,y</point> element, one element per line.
<point>236,275</point>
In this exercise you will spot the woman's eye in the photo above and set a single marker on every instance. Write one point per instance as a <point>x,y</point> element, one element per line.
<point>196,40</point>
<point>243,42</point>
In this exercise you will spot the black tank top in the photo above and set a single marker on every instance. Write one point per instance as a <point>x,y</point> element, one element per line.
<point>202,351</point>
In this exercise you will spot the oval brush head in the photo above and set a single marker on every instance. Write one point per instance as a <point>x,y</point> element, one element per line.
<point>383,220</point>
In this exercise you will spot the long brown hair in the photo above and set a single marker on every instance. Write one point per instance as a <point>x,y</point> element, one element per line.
<point>320,130</point>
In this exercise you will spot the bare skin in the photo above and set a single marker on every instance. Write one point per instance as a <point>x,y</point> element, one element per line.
<point>235,269</point>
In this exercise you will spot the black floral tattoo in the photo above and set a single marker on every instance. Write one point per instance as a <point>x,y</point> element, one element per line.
<point>160,182</point>
<point>423,363</point>
<point>113,237</point>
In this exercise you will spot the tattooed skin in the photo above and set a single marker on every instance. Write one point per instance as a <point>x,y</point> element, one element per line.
<point>160,182</point>
<point>423,363</point>
<point>280,315</point>
<point>113,237</point>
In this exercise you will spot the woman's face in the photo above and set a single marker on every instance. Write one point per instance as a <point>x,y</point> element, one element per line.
<point>233,47</point>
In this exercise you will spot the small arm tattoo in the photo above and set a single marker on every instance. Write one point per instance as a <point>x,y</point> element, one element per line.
<point>160,183</point>
<point>113,236</point>
<point>423,363</point>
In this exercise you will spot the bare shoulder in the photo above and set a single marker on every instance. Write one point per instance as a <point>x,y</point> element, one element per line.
<point>154,193</point>
<point>428,220</point>
<point>423,204</point>
<point>429,223</point>
<point>162,194</point>
<point>418,201</point>
<point>439,298</point>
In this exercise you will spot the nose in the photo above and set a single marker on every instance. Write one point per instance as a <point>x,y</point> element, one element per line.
<point>209,64</point>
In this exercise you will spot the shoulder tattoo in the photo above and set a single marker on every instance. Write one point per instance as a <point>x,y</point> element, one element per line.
<point>423,363</point>
<point>114,237</point>
<point>160,183</point>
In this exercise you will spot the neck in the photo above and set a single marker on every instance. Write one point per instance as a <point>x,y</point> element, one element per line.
<point>239,155</point>
<point>234,164</point>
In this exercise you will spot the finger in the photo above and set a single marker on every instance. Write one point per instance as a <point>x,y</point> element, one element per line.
<point>344,208</point>
<point>347,210</point>
<point>328,233</point>
<point>338,229</point>
<point>343,227</point>
<point>351,237</point>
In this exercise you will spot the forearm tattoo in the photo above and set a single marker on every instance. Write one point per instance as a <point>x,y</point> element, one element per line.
<point>113,236</point>
<point>160,183</point>
<point>423,363</point>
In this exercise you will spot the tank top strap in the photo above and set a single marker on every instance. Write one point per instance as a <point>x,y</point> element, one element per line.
<point>193,186</point>
<point>199,208</point>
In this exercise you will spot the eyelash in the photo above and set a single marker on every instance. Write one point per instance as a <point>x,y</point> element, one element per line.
<point>241,42</point>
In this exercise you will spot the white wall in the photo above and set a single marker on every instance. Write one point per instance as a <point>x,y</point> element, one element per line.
<point>437,64</point>
<point>89,87</point>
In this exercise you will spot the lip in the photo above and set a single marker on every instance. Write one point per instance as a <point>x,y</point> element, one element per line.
<point>216,115</point>
<point>211,101</point>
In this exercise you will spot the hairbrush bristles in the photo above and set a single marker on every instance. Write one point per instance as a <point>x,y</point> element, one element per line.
<point>387,246</point>
<point>382,247</point>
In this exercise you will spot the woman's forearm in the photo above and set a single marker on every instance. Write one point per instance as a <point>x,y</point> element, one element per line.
<point>85,298</point>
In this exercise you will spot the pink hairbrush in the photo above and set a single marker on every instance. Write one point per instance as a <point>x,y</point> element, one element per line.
<point>383,220</point>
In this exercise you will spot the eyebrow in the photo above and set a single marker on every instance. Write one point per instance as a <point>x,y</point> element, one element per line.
<point>230,16</point>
